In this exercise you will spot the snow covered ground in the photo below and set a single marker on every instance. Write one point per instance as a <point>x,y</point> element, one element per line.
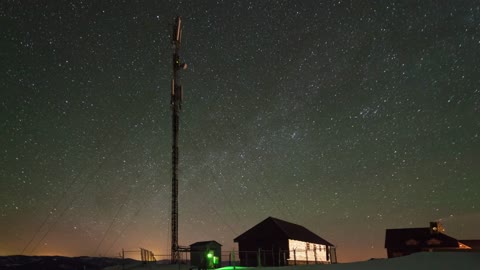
<point>418,261</point>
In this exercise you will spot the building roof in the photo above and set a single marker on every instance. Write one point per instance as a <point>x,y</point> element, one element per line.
<point>289,230</point>
<point>474,244</point>
<point>204,243</point>
<point>417,238</point>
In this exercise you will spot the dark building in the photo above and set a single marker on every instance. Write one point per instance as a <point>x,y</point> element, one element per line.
<point>473,244</point>
<point>402,242</point>
<point>274,242</point>
<point>205,254</point>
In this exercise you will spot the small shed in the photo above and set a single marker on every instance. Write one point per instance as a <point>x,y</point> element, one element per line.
<point>275,242</point>
<point>206,254</point>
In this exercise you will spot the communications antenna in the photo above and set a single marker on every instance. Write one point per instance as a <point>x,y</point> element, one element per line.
<point>176,105</point>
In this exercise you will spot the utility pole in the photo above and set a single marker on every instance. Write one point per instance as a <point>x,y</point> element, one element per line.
<point>176,105</point>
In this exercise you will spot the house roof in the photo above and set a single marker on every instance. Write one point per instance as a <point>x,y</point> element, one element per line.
<point>474,244</point>
<point>290,231</point>
<point>409,238</point>
<point>204,243</point>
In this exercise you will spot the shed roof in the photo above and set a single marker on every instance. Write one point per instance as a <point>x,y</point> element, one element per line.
<point>204,243</point>
<point>290,231</point>
<point>408,238</point>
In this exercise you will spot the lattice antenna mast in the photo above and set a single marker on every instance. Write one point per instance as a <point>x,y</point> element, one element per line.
<point>176,105</point>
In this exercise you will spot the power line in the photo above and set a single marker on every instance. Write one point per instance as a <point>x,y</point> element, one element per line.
<point>90,178</point>
<point>211,205</point>
<point>47,217</point>
<point>109,228</point>
<point>137,212</point>
<point>63,196</point>
<point>232,209</point>
<point>74,198</point>
<point>284,206</point>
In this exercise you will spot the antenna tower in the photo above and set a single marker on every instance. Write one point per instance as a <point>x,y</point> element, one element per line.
<point>176,105</point>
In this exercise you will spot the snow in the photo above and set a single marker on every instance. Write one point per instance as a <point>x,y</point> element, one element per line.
<point>418,261</point>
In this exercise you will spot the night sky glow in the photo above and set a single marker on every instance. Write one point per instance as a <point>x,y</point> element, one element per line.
<point>346,117</point>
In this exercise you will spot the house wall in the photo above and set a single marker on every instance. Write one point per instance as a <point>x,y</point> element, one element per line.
<point>333,254</point>
<point>273,252</point>
<point>305,252</point>
<point>267,238</point>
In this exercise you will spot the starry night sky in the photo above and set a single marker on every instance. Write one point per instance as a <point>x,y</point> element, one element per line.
<point>346,117</point>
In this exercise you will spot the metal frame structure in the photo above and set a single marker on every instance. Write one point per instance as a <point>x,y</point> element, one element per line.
<point>176,105</point>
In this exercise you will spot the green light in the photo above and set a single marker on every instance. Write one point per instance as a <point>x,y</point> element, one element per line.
<point>210,254</point>
<point>231,268</point>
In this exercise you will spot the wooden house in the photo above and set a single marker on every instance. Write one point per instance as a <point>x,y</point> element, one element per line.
<point>275,242</point>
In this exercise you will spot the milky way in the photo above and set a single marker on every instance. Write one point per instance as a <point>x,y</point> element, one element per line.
<point>346,117</point>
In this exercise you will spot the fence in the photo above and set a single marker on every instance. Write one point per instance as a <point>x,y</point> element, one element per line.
<point>260,257</point>
<point>283,257</point>
<point>145,254</point>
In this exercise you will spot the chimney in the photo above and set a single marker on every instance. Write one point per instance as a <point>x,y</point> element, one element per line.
<point>436,227</point>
